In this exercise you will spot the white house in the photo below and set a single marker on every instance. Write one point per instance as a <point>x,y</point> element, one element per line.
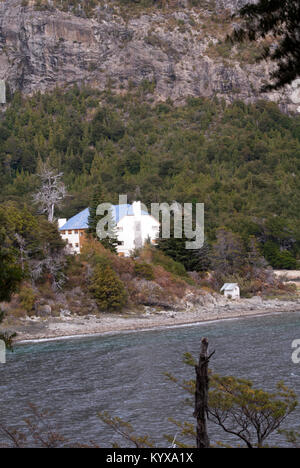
<point>133,226</point>
<point>231,290</point>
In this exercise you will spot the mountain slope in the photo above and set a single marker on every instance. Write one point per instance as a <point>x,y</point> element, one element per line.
<point>242,161</point>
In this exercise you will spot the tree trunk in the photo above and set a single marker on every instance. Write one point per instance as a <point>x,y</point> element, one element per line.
<point>51,214</point>
<point>201,396</point>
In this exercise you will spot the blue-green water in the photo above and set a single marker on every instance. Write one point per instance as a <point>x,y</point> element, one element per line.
<point>124,375</point>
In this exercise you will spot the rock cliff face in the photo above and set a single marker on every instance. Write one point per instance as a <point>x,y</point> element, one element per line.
<point>176,53</point>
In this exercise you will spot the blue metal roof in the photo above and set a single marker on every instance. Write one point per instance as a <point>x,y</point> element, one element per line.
<point>80,221</point>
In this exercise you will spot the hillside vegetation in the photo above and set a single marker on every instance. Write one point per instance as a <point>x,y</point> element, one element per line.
<point>241,160</point>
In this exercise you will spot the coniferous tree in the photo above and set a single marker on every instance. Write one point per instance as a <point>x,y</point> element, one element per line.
<point>192,259</point>
<point>280,19</point>
<point>201,258</point>
<point>10,271</point>
<point>110,242</point>
<point>108,289</point>
<point>97,199</point>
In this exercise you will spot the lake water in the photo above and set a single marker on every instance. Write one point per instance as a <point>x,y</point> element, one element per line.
<point>124,375</point>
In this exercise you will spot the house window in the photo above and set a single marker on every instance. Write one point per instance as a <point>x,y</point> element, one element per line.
<point>70,232</point>
<point>76,245</point>
<point>81,233</point>
<point>63,233</point>
<point>75,232</point>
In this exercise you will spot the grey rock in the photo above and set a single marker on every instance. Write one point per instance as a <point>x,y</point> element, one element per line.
<point>65,313</point>
<point>43,310</point>
<point>40,50</point>
<point>255,300</point>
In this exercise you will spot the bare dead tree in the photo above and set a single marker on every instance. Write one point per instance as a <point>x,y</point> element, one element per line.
<point>201,396</point>
<point>52,191</point>
<point>54,266</point>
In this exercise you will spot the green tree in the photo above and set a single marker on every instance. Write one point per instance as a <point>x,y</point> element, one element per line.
<point>110,242</point>
<point>250,414</point>
<point>281,20</point>
<point>175,247</point>
<point>97,199</point>
<point>281,259</point>
<point>144,270</point>
<point>107,289</point>
<point>10,271</point>
<point>31,246</point>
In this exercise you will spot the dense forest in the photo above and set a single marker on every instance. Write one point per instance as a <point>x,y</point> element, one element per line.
<point>241,160</point>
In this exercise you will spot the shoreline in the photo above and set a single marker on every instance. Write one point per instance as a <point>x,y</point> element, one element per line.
<point>110,324</point>
<point>151,328</point>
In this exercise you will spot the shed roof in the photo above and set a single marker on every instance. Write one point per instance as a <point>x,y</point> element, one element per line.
<point>229,286</point>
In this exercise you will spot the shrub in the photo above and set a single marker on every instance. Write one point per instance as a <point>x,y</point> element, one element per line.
<point>279,259</point>
<point>169,264</point>
<point>27,298</point>
<point>107,289</point>
<point>144,270</point>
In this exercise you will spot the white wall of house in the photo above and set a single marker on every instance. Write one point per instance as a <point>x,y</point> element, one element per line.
<point>72,238</point>
<point>134,230</point>
<point>131,237</point>
<point>233,293</point>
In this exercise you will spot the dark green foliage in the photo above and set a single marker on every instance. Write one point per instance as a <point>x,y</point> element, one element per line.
<point>107,289</point>
<point>192,259</point>
<point>108,125</point>
<point>241,160</point>
<point>201,260</point>
<point>10,272</point>
<point>170,265</point>
<point>144,270</point>
<point>281,19</point>
<point>25,240</point>
<point>93,220</point>
<point>279,259</point>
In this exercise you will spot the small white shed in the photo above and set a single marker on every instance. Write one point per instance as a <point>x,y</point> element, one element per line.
<point>231,290</point>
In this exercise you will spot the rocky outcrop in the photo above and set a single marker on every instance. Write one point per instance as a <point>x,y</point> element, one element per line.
<point>170,52</point>
<point>232,5</point>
